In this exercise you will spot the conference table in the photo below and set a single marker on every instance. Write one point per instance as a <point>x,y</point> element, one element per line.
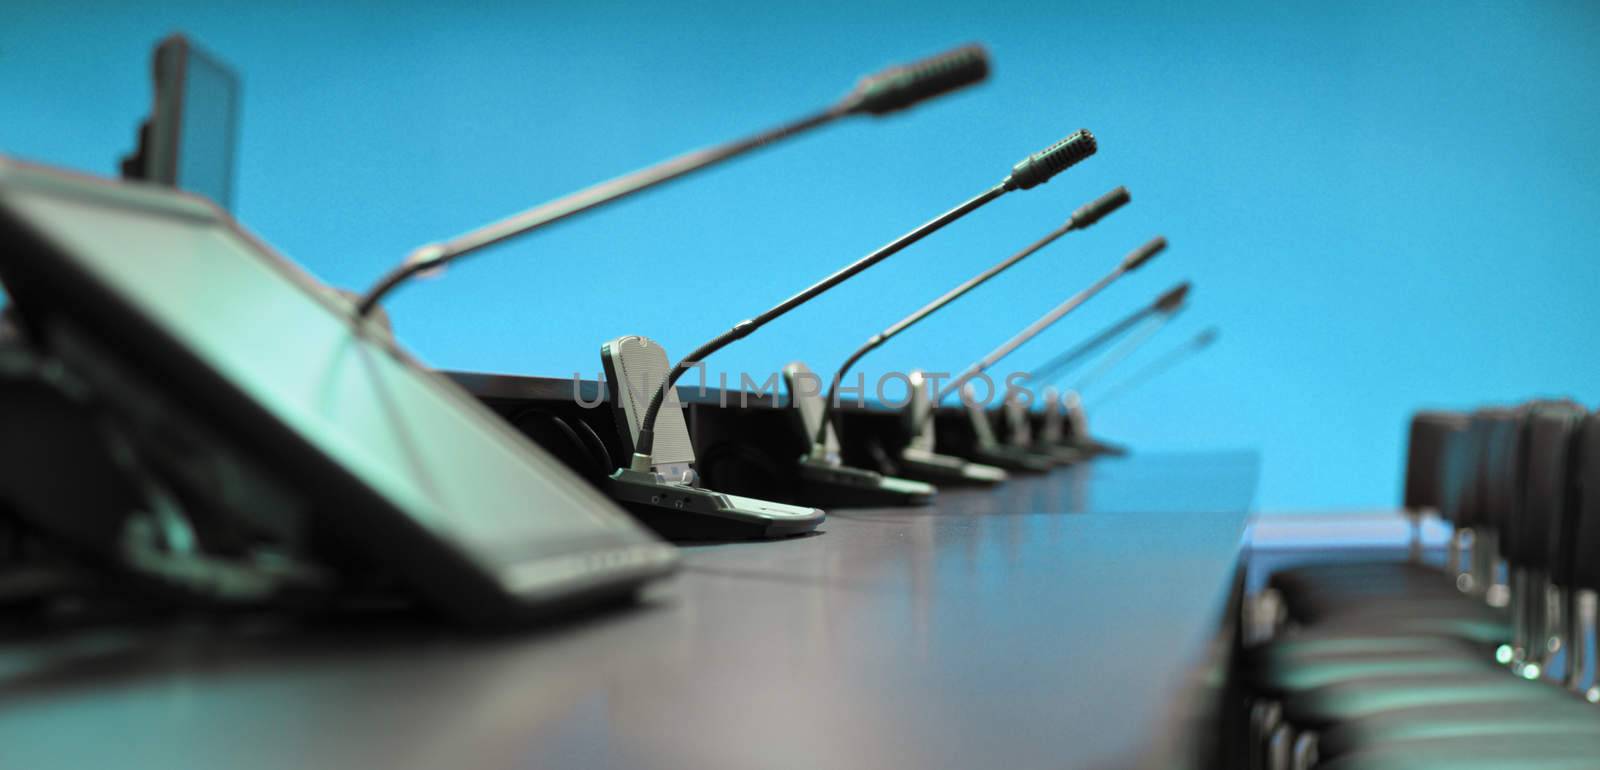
<point>1071,619</point>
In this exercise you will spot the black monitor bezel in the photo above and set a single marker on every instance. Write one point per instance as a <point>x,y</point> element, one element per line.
<point>46,285</point>
<point>161,134</point>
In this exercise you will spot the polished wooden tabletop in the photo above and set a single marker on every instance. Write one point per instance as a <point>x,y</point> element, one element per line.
<point>1050,622</point>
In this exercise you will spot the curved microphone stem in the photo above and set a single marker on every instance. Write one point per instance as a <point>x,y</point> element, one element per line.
<point>1030,172</point>
<point>1123,351</point>
<point>646,443</point>
<point>434,256</point>
<point>882,93</point>
<point>1135,260</point>
<point>1033,329</point>
<point>1086,215</point>
<point>1061,364</point>
<point>1170,301</point>
<point>1158,367</point>
<point>927,310</point>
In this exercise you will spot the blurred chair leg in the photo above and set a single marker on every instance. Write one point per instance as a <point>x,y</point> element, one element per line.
<point>1580,617</point>
<point>1265,718</point>
<point>1305,751</point>
<point>1459,559</point>
<point>1280,748</point>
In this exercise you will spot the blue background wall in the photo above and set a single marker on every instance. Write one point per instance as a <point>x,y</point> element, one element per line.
<point>1382,205</point>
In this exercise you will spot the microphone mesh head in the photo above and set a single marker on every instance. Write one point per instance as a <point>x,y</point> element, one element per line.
<point>1097,209</point>
<point>1174,297</point>
<point>1038,168</point>
<point>900,87</point>
<point>1143,254</point>
<point>806,398</point>
<point>636,367</point>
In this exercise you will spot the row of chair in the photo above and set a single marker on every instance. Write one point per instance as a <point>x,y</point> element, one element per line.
<point>1481,662</point>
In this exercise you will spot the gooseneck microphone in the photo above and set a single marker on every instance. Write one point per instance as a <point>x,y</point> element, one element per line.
<point>1123,350</point>
<point>1133,261</point>
<point>1164,309</point>
<point>894,89</point>
<point>1198,343</point>
<point>1167,303</point>
<point>1034,170</point>
<point>1085,216</point>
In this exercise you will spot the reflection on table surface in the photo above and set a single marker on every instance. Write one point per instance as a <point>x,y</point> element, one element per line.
<point>1046,622</point>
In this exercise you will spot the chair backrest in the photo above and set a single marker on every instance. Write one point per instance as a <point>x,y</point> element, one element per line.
<point>1425,458</point>
<point>1463,484</point>
<point>1534,534</point>
<point>1500,442</point>
<point>1457,475</point>
<point>635,368</point>
<point>1583,505</point>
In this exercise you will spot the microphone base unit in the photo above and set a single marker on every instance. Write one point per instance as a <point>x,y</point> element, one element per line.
<point>1012,459</point>
<point>974,438</point>
<point>1095,447</point>
<point>679,511</point>
<point>1083,449</point>
<point>945,470</point>
<point>1063,454</point>
<point>841,486</point>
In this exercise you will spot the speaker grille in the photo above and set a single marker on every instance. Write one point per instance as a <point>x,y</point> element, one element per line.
<point>810,404</point>
<point>640,365</point>
<point>919,412</point>
<point>1017,423</point>
<point>978,417</point>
